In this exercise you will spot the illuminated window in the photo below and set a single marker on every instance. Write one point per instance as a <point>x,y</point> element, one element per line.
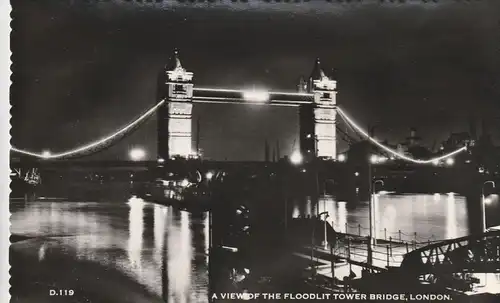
<point>179,88</point>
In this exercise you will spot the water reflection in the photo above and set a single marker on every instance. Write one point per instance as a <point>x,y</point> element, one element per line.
<point>159,233</point>
<point>451,217</point>
<point>154,245</point>
<point>342,215</point>
<point>430,216</point>
<point>179,259</point>
<point>206,234</point>
<point>136,228</point>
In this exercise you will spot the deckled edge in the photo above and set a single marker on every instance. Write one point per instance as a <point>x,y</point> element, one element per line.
<point>5,81</point>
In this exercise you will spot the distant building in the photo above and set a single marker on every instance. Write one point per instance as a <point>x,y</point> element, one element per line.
<point>455,141</point>
<point>414,148</point>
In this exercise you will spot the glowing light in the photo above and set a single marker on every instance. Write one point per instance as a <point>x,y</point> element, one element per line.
<point>435,162</point>
<point>450,161</point>
<point>217,90</point>
<point>161,160</point>
<point>193,155</point>
<point>93,144</point>
<point>46,154</point>
<point>240,91</point>
<point>232,249</point>
<point>356,174</point>
<point>374,159</point>
<point>185,183</point>
<point>256,96</point>
<point>296,158</point>
<point>308,136</point>
<point>137,154</point>
<point>341,158</point>
<point>490,199</point>
<point>304,170</point>
<point>390,150</point>
<point>209,175</point>
<point>385,192</point>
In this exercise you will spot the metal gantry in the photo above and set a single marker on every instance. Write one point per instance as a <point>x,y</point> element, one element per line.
<point>477,253</point>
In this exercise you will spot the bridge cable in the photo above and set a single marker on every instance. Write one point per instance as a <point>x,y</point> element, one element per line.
<point>392,151</point>
<point>93,144</point>
<point>345,136</point>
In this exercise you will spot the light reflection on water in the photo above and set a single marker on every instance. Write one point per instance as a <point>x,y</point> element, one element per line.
<point>432,217</point>
<point>134,237</point>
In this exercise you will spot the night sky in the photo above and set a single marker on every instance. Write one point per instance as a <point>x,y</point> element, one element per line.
<point>82,71</point>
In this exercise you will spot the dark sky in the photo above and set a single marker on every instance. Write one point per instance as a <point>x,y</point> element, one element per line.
<point>81,71</point>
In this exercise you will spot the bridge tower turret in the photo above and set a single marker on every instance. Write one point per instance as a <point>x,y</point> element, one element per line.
<point>175,85</point>
<point>317,120</point>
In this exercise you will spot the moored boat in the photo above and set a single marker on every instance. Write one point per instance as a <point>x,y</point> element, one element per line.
<point>23,184</point>
<point>179,190</point>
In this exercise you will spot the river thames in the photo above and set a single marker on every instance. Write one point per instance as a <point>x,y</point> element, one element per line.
<point>165,251</point>
<point>430,216</point>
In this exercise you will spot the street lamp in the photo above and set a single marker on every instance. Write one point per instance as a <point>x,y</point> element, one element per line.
<point>325,241</point>
<point>483,202</point>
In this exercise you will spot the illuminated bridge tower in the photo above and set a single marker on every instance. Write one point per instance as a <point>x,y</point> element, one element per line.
<point>175,85</point>
<point>317,120</point>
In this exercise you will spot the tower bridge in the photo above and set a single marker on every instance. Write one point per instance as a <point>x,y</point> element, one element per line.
<point>177,94</point>
<point>316,102</point>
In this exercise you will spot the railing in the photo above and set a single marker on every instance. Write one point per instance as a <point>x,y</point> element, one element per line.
<point>382,255</point>
<point>401,237</point>
<point>389,251</point>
